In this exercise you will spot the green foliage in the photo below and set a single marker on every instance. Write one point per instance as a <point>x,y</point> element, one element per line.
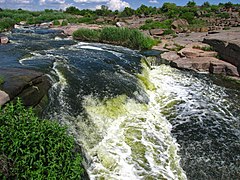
<point>191,4</point>
<point>189,16</point>
<point>168,31</point>
<point>1,80</point>
<point>206,4</point>
<point>6,23</point>
<point>73,10</point>
<point>226,28</point>
<point>223,15</point>
<point>56,23</point>
<point>64,23</point>
<point>204,48</point>
<point>87,20</point>
<point>35,149</point>
<point>168,7</point>
<point>127,12</point>
<point>120,36</point>
<point>87,35</point>
<point>197,23</point>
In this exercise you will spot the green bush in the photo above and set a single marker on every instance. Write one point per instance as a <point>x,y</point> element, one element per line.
<point>189,16</point>
<point>126,37</point>
<point>6,23</point>
<point>223,15</point>
<point>87,35</point>
<point>120,36</point>
<point>56,23</point>
<point>35,149</point>
<point>64,23</point>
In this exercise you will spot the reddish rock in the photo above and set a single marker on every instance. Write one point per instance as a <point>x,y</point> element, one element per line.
<point>190,53</point>
<point>221,67</point>
<point>206,64</point>
<point>179,23</point>
<point>156,32</point>
<point>170,56</point>
<point>200,64</point>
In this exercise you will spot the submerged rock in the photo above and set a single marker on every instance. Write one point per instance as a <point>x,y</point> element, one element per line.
<point>31,86</point>
<point>4,39</point>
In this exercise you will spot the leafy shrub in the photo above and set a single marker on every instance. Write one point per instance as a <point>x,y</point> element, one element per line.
<point>6,23</point>
<point>120,36</point>
<point>64,23</point>
<point>226,28</point>
<point>35,149</point>
<point>56,23</point>
<point>87,20</point>
<point>189,16</point>
<point>87,35</point>
<point>224,15</point>
<point>126,37</point>
<point>168,31</point>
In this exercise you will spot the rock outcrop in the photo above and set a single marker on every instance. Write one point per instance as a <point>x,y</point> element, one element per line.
<point>228,49</point>
<point>31,86</point>
<point>193,52</point>
<point>201,64</point>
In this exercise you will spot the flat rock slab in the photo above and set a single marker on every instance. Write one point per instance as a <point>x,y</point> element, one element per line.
<point>191,52</point>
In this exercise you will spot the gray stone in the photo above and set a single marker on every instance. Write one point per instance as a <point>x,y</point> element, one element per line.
<point>4,98</point>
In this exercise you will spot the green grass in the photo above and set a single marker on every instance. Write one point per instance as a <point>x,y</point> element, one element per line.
<point>35,149</point>
<point>1,80</point>
<point>119,36</point>
<point>204,48</point>
<point>87,35</point>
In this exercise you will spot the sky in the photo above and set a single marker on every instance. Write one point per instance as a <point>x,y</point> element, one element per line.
<point>93,4</point>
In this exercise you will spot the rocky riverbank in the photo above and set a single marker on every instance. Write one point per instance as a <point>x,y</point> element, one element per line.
<point>211,52</point>
<point>29,85</point>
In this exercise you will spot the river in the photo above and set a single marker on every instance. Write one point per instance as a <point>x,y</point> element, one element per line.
<point>132,121</point>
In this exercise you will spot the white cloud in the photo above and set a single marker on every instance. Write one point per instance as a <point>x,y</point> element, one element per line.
<point>90,1</point>
<point>19,1</point>
<point>154,1</point>
<point>2,1</point>
<point>42,2</point>
<point>117,4</point>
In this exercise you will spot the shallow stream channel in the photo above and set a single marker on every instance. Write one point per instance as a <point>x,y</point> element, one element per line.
<point>131,120</point>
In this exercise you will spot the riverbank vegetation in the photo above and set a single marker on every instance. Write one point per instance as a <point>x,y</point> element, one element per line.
<point>169,11</point>
<point>131,38</point>
<point>35,149</point>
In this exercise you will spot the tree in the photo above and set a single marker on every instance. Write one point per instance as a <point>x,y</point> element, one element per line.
<point>228,5</point>
<point>191,4</point>
<point>72,10</point>
<point>143,9</point>
<point>168,7</point>
<point>206,4</point>
<point>127,12</point>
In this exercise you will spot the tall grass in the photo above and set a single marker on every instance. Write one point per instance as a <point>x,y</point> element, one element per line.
<point>87,35</point>
<point>35,149</point>
<point>119,36</point>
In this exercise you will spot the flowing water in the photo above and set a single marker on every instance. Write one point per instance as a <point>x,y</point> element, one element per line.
<point>132,121</point>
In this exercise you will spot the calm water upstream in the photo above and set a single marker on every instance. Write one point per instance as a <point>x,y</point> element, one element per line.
<point>186,127</point>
